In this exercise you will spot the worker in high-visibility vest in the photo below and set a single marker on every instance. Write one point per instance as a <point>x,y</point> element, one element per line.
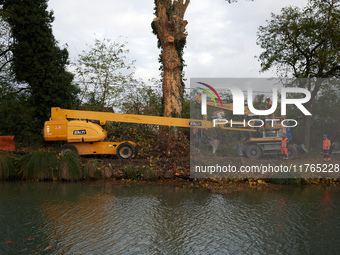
<point>269,103</point>
<point>284,146</point>
<point>326,149</point>
<point>198,133</point>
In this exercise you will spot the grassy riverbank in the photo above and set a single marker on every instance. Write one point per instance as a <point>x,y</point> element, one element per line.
<point>45,165</point>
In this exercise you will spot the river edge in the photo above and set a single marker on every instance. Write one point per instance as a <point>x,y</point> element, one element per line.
<point>223,187</point>
<point>213,185</point>
<point>175,171</point>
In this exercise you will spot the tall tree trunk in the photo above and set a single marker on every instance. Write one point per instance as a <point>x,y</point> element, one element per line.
<point>169,27</point>
<point>172,82</point>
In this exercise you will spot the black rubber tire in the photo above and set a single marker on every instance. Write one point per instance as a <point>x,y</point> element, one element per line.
<point>292,152</point>
<point>253,151</point>
<point>67,148</point>
<point>125,151</point>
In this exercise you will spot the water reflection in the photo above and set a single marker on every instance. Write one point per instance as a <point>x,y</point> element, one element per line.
<point>87,219</point>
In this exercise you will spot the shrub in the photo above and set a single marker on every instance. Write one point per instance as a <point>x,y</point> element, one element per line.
<point>69,167</point>
<point>38,165</point>
<point>8,167</point>
<point>92,170</point>
<point>139,173</point>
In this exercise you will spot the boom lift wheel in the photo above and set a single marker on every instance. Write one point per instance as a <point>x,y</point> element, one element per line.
<point>67,148</point>
<point>253,151</point>
<point>125,151</point>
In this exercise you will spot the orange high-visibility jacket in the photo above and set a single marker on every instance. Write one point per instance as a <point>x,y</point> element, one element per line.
<point>326,144</point>
<point>197,131</point>
<point>284,143</point>
<point>269,104</point>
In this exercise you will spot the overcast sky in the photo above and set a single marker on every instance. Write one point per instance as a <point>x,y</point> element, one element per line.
<point>221,38</point>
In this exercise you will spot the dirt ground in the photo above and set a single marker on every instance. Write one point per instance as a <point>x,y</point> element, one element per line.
<point>172,168</point>
<point>174,171</point>
<point>179,166</point>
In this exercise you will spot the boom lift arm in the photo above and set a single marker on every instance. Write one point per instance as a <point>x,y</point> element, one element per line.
<point>266,141</point>
<point>58,114</point>
<point>276,124</point>
<point>86,138</point>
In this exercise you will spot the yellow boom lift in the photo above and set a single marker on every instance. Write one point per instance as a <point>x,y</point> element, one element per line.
<point>265,140</point>
<point>87,138</point>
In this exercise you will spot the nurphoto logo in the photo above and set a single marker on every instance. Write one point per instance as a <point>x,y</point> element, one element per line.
<point>238,100</point>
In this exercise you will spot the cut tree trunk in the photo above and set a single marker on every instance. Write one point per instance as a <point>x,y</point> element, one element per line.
<point>172,82</point>
<point>169,27</point>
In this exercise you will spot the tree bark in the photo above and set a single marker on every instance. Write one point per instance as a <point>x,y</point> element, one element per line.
<point>169,27</point>
<point>172,82</point>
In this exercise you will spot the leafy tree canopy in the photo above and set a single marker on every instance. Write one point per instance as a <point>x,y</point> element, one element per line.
<point>103,71</point>
<point>303,43</point>
<point>37,59</point>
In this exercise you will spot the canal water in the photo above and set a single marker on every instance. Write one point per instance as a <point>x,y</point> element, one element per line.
<point>78,218</point>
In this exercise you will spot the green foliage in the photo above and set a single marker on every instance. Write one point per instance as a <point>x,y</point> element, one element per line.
<point>142,98</point>
<point>39,165</point>
<point>102,72</point>
<point>92,170</point>
<point>69,167</point>
<point>45,165</point>
<point>326,117</point>
<point>8,166</point>
<point>143,173</point>
<point>14,108</point>
<point>12,113</point>
<point>37,60</point>
<point>304,43</point>
<point>6,57</point>
<point>186,106</point>
<point>16,119</point>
